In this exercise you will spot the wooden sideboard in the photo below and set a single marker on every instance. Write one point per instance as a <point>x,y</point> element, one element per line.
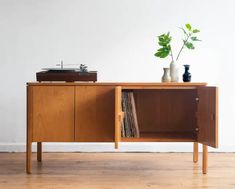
<point>92,112</point>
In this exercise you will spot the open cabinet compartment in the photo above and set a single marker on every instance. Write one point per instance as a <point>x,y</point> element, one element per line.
<point>167,114</point>
<point>183,114</point>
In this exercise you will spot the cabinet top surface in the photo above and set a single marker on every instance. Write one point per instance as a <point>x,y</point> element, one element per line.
<point>149,84</point>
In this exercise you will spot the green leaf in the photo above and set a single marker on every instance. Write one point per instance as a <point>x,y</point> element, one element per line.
<point>158,54</point>
<point>162,43</point>
<point>164,39</point>
<point>189,45</point>
<point>195,39</point>
<point>188,26</point>
<point>160,38</point>
<point>196,31</point>
<point>162,52</point>
<point>169,47</point>
<point>163,49</point>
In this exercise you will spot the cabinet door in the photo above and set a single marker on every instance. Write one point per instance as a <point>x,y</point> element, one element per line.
<point>94,114</point>
<point>118,115</point>
<point>208,116</point>
<point>53,113</point>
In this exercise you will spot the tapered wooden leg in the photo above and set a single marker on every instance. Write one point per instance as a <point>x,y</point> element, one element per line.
<point>29,157</point>
<point>39,151</point>
<point>116,145</point>
<point>29,137</point>
<point>195,152</point>
<point>205,159</point>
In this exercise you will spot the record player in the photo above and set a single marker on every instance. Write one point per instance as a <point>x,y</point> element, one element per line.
<point>66,74</point>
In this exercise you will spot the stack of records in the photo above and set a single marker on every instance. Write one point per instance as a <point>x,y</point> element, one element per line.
<point>130,126</point>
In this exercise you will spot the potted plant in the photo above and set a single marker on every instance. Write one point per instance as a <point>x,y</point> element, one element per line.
<point>165,50</point>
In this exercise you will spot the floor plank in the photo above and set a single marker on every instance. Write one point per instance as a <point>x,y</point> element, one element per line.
<point>117,171</point>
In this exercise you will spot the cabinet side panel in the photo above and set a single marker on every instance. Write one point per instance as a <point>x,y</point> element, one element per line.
<point>94,113</point>
<point>53,113</point>
<point>208,116</point>
<point>29,114</point>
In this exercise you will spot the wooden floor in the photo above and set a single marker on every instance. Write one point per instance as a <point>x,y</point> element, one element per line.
<point>117,171</point>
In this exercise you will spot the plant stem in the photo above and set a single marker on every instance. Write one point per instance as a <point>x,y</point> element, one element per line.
<point>183,47</point>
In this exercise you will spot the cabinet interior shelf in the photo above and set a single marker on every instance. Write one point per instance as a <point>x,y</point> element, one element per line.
<point>162,137</point>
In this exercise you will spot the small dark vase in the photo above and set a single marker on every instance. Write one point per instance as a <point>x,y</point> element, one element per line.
<point>186,75</point>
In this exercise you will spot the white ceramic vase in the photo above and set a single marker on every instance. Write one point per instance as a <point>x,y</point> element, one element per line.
<point>174,72</point>
<point>166,75</point>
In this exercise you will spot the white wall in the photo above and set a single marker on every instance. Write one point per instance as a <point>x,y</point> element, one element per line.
<point>117,38</point>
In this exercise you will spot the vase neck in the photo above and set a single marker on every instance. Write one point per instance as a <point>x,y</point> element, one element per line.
<point>186,67</point>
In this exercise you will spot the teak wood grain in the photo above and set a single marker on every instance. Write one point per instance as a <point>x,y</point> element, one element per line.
<point>53,114</point>
<point>94,114</point>
<point>162,137</point>
<point>207,116</point>
<point>204,159</point>
<point>118,115</point>
<point>166,110</point>
<point>29,137</point>
<point>195,152</point>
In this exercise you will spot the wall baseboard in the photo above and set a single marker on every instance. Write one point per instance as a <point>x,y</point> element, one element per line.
<point>109,147</point>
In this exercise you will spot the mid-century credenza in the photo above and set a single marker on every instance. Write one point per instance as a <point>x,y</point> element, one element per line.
<point>92,112</point>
